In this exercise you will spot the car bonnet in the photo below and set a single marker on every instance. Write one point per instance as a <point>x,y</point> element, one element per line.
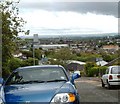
<point>40,92</point>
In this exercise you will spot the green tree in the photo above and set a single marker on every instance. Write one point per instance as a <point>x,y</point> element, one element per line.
<point>28,54</point>
<point>102,69</point>
<point>64,54</point>
<point>94,71</point>
<point>107,57</point>
<point>56,62</point>
<point>14,63</point>
<point>88,68</point>
<point>38,53</point>
<point>11,25</point>
<point>29,62</point>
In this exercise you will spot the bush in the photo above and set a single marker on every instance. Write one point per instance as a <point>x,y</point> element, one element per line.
<point>14,63</point>
<point>88,67</point>
<point>82,73</point>
<point>5,72</point>
<point>102,70</point>
<point>29,62</point>
<point>93,72</point>
<point>96,71</point>
<point>57,62</point>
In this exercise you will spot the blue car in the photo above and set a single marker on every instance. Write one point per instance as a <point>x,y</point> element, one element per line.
<point>43,84</point>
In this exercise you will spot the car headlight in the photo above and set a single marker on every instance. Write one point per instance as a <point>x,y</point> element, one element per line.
<point>63,98</point>
<point>1,101</point>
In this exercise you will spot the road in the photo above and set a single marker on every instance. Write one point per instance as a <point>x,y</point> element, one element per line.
<point>90,90</point>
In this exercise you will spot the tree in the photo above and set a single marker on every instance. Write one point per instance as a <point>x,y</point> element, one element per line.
<point>64,54</point>
<point>14,63</point>
<point>11,25</point>
<point>29,62</point>
<point>38,53</point>
<point>88,67</point>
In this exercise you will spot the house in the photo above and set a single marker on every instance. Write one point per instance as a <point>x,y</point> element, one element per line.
<point>51,46</point>
<point>111,47</point>
<point>73,65</point>
<point>102,63</point>
<point>16,55</point>
<point>19,55</point>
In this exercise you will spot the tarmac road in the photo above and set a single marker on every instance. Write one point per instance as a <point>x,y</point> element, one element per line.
<point>90,91</point>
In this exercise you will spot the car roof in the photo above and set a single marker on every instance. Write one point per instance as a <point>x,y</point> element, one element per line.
<point>114,66</point>
<point>38,66</point>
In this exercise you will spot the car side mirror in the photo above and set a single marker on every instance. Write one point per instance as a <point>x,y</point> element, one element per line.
<point>1,81</point>
<point>77,72</point>
<point>74,76</point>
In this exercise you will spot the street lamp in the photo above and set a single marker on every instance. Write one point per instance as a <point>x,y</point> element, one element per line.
<point>35,41</point>
<point>33,54</point>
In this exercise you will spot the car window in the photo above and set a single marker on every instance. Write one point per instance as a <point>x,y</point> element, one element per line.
<point>37,74</point>
<point>115,70</point>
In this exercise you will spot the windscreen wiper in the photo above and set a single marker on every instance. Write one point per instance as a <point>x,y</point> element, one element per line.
<point>29,82</point>
<point>57,80</point>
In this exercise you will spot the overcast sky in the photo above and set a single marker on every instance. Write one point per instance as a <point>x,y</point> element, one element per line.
<point>68,17</point>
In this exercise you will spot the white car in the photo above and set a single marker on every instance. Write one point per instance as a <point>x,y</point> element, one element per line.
<point>111,77</point>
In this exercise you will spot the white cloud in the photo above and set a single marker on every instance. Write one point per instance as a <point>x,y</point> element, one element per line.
<point>39,21</point>
<point>26,1</point>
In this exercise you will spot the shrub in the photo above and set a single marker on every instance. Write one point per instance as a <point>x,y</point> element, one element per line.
<point>88,67</point>
<point>14,63</point>
<point>29,62</point>
<point>102,70</point>
<point>5,72</point>
<point>94,71</point>
<point>82,73</point>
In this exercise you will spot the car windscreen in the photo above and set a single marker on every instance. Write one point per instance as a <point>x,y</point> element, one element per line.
<point>115,70</point>
<point>37,75</point>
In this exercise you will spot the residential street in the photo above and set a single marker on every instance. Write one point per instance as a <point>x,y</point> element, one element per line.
<point>90,90</point>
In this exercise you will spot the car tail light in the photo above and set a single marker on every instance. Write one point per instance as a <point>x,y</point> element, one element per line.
<point>118,76</point>
<point>110,77</point>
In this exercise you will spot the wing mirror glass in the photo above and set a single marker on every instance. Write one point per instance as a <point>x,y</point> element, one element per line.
<point>75,75</point>
<point>1,81</point>
<point>77,72</point>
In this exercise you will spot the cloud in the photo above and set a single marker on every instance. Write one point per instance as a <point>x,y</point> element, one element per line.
<point>62,18</point>
<point>105,8</point>
<point>63,22</point>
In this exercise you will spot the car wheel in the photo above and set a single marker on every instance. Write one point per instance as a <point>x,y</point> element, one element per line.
<point>103,85</point>
<point>108,85</point>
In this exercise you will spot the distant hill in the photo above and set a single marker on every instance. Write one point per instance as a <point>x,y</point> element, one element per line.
<point>74,36</point>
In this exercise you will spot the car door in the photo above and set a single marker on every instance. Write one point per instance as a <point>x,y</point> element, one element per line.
<point>105,76</point>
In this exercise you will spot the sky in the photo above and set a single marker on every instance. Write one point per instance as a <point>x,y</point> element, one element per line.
<point>68,17</point>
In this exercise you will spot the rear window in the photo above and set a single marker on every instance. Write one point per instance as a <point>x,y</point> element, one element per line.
<point>115,70</point>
